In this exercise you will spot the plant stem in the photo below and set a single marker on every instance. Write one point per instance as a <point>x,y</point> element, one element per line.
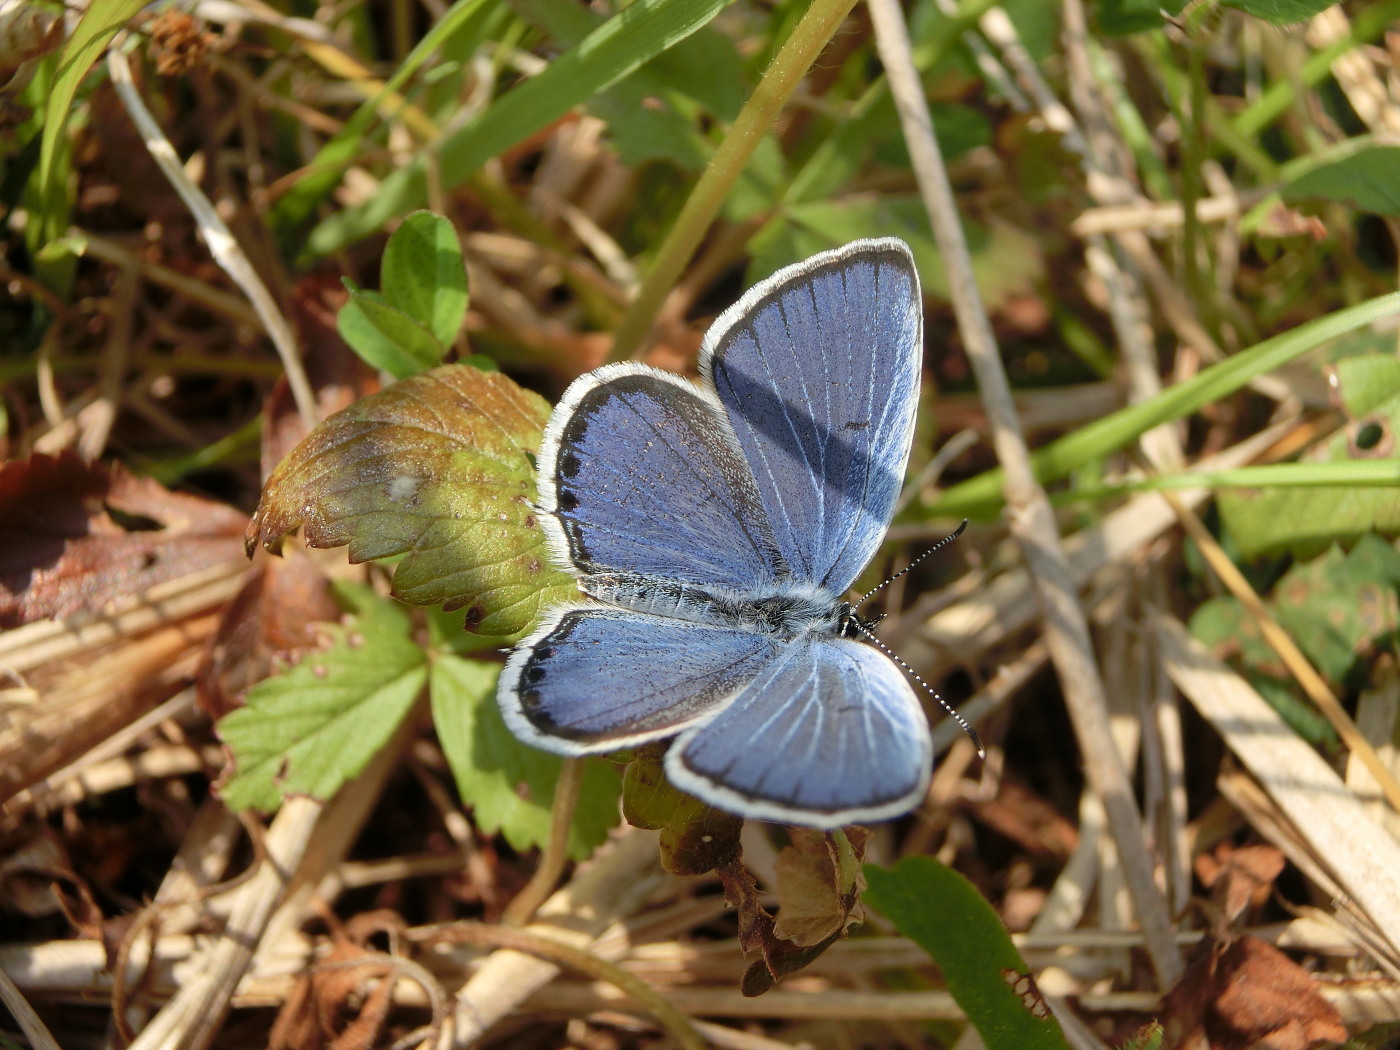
<point>556,851</point>
<point>790,65</point>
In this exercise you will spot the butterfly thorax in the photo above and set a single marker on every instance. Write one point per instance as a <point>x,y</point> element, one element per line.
<point>784,611</point>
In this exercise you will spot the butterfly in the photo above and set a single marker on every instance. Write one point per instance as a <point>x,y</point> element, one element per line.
<point>714,530</point>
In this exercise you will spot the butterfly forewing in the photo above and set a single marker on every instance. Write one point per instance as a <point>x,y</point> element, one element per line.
<point>639,474</point>
<point>818,368</point>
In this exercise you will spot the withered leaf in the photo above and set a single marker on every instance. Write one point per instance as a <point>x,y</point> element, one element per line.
<point>436,468</point>
<point>76,535</point>
<point>819,886</point>
<point>777,957</point>
<point>272,618</point>
<point>1239,877</point>
<point>1248,994</point>
<point>695,838</point>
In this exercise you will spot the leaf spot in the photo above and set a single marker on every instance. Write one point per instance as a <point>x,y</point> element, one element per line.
<point>320,670</point>
<point>404,489</point>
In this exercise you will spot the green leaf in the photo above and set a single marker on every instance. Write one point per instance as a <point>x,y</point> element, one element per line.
<point>1342,608</point>
<point>1305,521</point>
<point>1366,383</point>
<point>386,337</point>
<point>1121,17</point>
<point>508,784</point>
<point>1234,636</point>
<point>99,23</point>
<point>1280,12</point>
<point>422,275</point>
<point>653,113</point>
<point>1365,179</point>
<point>318,725</point>
<point>945,916</point>
<point>634,35</point>
<point>326,169</point>
<point>695,838</point>
<point>436,468</point>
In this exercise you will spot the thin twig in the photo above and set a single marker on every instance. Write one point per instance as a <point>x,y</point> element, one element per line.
<point>222,244</point>
<point>30,1023</point>
<point>1029,515</point>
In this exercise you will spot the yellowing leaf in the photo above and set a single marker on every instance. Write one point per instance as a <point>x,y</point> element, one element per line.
<point>436,468</point>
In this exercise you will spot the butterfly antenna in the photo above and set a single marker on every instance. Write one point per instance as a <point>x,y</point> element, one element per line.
<point>932,550</point>
<point>873,640</point>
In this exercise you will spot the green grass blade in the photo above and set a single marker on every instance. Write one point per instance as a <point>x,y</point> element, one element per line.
<point>98,25</point>
<point>982,495</point>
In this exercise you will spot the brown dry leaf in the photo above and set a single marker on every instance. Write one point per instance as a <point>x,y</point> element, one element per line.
<point>28,873</point>
<point>778,956</point>
<point>1239,877</point>
<point>1245,995</point>
<point>336,374</point>
<point>78,536</point>
<point>272,618</point>
<point>1026,818</point>
<point>815,899</point>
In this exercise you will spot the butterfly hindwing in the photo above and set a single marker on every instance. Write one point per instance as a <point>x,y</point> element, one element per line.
<point>829,734</point>
<point>594,679</point>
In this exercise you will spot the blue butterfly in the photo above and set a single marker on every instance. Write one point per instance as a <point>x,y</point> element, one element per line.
<point>714,530</point>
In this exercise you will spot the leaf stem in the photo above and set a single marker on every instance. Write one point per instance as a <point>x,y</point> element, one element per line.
<point>523,906</point>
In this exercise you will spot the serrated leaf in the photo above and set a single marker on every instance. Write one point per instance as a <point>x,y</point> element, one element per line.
<point>944,915</point>
<point>311,729</point>
<point>436,468</point>
<point>422,275</point>
<point>508,784</point>
<point>1364,179</point>
<point>1280,12</point>
<point>385,336</point>
<point>819,884</point>
<point>1305,521</point>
